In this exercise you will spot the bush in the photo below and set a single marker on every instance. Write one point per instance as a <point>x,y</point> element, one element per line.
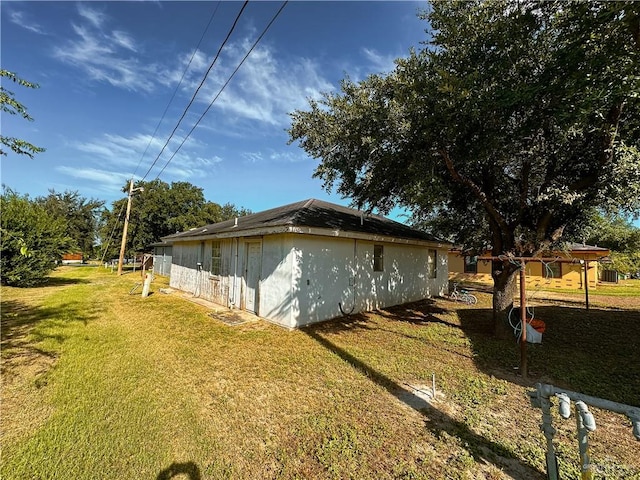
<point>32,241</point>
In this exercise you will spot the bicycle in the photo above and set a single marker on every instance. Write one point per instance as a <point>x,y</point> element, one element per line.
<point>462,295</point>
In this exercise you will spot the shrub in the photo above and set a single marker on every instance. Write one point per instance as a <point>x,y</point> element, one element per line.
<point>32,241</point>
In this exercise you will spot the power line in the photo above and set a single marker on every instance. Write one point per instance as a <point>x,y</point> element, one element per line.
<point>198,89</point>
<point>206,29</point>
<point>223,87</point>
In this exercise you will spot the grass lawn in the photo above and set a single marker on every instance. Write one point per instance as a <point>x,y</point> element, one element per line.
<point>100,384</point>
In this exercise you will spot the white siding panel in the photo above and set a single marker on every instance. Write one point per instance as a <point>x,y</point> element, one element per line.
<point>187,277</point>
<point>306,279</point>
<point>323,278</point>
<point>276,299</point>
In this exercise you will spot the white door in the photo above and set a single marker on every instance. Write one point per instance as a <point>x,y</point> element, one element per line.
<point>252,276</point>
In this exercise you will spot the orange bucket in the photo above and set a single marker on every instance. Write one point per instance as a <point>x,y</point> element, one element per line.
<point>537,325</point>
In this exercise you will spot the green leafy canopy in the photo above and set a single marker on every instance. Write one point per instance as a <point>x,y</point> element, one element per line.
<point>8,104</point>
<point>513,122</point>
<point>159,210</point>
<point>32,241</point>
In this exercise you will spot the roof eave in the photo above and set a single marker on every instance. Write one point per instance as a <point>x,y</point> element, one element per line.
<point>316,231</point>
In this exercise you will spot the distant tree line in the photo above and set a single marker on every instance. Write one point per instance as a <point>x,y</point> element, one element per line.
<point>159,210</point>
<point>36,233</point>
<point>618,234</point>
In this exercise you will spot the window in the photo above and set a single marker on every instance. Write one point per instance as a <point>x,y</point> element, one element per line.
<point>216,258</point>
<point>378,258</point>
<point>432,264</point>
<point>471,264</point>
<point>552,270</point>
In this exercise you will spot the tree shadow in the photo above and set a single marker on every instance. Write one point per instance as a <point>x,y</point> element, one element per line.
<point>190,469</point>
<point>24,327</point>
<point>54,282</point>
<point>64,281</point>
<point>587,351</point>
<point>420,314</point>
<point>482,449</point>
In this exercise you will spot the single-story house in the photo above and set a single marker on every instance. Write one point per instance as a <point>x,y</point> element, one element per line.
<point>307,262</point>
<point>162,252</point>
<point>550,274</point>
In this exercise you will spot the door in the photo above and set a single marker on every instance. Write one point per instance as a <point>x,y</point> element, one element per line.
<point>252,276</point>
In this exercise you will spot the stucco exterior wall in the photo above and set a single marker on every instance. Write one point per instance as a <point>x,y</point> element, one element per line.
<point>331,274</point>
<point>276,289</point>
<point>307,278</point>
<point>321,278</point>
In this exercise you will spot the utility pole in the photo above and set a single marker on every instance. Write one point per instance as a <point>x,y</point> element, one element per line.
<point>126,225</point>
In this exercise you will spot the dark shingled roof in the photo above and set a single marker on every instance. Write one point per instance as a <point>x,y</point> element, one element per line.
<point>314,214</point>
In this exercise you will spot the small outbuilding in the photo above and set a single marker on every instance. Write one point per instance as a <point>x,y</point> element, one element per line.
<point>549,274</point>
<point>162,258</point>
<point>307,262</point>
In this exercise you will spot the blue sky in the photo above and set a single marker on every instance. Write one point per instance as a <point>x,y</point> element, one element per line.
<point>107,71</point>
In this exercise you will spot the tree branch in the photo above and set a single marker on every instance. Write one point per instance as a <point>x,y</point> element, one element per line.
<point>475,190</point>
<point>610,132</point>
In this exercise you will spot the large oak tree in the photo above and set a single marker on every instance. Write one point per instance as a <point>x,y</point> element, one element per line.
<point>514,121</point>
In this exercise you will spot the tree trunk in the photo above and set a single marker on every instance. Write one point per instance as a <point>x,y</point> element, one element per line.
<point>504,291</point>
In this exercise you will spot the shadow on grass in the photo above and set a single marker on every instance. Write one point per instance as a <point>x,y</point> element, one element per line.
<point>482,449</point>
<point>595,352</point>
<point>422,313</point>
<point>63,281</point>
<point>54,282</point>
<point>25,326</point>
<point>190,469</point>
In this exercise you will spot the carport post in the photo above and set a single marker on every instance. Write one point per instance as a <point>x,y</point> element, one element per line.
<point>586,282</point>
<point>523,322</point>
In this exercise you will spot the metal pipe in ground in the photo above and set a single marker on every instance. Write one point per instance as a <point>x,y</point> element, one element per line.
<point>147,286</point>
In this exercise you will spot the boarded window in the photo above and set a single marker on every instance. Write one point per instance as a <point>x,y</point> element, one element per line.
<point>471,264</point>
<point>432,263</point>
<point>553,270</point>
<point>216,258</point>
<point>378,258</point>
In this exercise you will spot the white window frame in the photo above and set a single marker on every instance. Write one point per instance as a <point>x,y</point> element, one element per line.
<point>378,258</point>
<point>216,258</point>
<point>432,263</point>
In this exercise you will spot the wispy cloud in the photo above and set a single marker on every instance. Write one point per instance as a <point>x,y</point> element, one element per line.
<point>124,40</point>
<point>265,88</point>
<point>118,151</point>
<point>123,154</point>
<point>101,180</point>
<point>380,63</point>
<point>272,155</point>
<point>20,19</point>
<point>95,17</point>
<point>253,157</point>
<point>105,55</point>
